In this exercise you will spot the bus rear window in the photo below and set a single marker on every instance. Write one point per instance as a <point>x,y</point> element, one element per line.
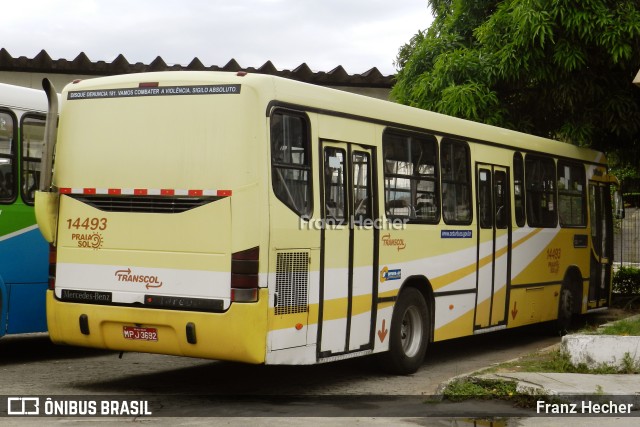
<point>290,161</point>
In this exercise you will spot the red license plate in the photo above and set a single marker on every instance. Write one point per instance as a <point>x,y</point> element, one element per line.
<point>136,333</point>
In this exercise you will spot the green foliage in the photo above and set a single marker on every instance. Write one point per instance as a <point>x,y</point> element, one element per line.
<point>556,68</point>
<point>624,172</point>
<point>627,281</point>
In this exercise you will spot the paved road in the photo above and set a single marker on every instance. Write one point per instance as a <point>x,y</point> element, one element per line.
<point>323,395</point>
<point>31,365</point>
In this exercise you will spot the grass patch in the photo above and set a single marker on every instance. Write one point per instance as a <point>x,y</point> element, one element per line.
<point>466,388</point>
<point>624,327</point>
<point>547,361</point>
<point>486,389</point>
<point>553,361</point>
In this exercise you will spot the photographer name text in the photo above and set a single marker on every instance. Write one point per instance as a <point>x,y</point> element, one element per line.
<point>584,407</point>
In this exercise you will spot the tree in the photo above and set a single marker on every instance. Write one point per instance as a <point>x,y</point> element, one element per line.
<point>556,68</point>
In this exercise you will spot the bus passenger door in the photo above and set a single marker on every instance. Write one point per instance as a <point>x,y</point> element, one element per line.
<point>347,276</point>
<point>494,246</point>
<point>601,244</point>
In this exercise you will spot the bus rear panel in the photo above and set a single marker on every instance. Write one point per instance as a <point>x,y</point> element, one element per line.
<point>148,255</point>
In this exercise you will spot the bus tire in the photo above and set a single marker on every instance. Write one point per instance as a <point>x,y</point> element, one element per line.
<point>565,310</point>
<point>409,334</point>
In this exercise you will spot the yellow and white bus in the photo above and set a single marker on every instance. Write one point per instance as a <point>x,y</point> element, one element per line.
<point>252,218</point>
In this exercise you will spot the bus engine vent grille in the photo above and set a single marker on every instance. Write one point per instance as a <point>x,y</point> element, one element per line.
<point>292,282</point>
<point>144,204</point>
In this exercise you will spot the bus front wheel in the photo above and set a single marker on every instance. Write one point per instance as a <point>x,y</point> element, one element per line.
<point>409,334</point>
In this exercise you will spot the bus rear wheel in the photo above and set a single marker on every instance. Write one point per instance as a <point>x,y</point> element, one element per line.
<point>409,334</point>
<point>565,311</point>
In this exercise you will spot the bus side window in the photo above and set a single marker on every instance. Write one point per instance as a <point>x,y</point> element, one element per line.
<point>456,182</point>
<point>540,174</point>
<point>7,155</point>
<point>572,194</point>
<point>410,176</point>
<point>290,161</point>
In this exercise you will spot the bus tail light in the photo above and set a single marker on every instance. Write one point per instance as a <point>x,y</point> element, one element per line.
<point>244,275</point>
<point>53,256</point>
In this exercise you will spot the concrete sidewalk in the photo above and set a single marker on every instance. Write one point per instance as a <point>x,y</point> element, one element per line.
<point>592,349</point>
<point>575,399</point>
<point>555,384</point>
<point>570,399</point>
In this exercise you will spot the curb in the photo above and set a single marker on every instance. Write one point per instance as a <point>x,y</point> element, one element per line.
<point>439,394</point>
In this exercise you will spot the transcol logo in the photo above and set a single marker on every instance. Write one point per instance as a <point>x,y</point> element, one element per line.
<point>148,280</point>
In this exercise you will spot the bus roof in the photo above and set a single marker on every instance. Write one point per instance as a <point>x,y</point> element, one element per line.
<point>278,90</point>
<point>22,98</point>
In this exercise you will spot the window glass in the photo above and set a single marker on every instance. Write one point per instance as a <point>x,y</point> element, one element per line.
<point>334,186</point>
<point>410,176</point>
<point>485,202</point>
<point>32,135</point>
<point>540,191</point>
<point>7,173</point>
<point>500,199</point>
<point>290,161</point>
<point>456,188</point>
<point>571,194</point>
<point>362,207</point>
<point>518,188</point>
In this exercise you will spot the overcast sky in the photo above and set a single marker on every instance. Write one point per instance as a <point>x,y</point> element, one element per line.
<point>357,34</point>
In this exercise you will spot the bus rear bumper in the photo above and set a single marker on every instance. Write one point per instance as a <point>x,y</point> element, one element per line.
<point>239,334</point>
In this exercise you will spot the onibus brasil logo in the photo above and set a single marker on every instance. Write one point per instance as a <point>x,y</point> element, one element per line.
<point>129,277</point>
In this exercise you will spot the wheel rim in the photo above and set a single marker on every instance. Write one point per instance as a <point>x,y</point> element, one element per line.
<point>565,311</point>
<point>411,331</point>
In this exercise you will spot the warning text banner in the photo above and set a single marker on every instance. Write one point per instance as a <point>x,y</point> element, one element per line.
<point>154,91</point>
